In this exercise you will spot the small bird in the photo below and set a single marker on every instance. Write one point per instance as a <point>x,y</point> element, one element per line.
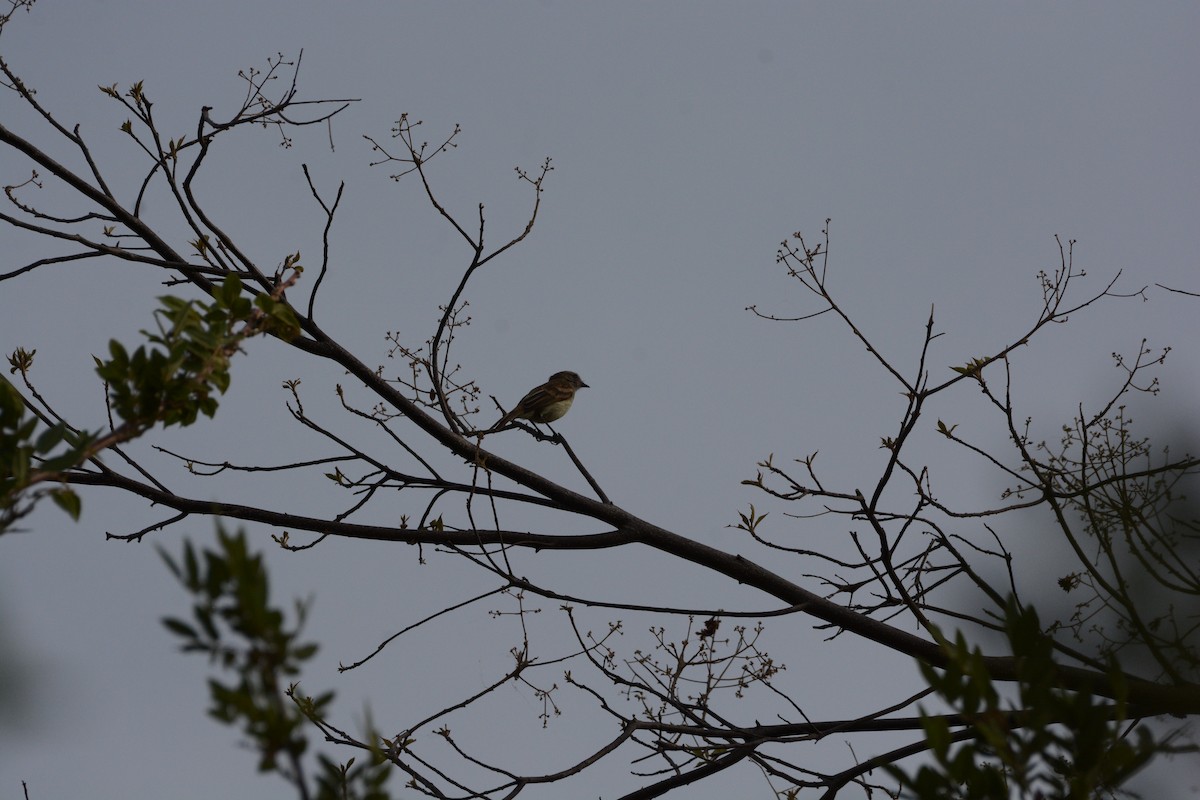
<point>548,402</point>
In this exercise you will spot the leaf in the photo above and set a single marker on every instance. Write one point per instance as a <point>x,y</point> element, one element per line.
<point>49,439</point>
<point>305,652</point>
<point>229,291</point>
<point>21,360</point>
<point>68,501</point>
<point>180,628</point>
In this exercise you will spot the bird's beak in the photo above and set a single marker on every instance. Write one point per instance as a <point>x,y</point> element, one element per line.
<point>583,385</point>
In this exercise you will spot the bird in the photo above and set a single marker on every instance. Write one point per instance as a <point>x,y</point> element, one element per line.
<point>547,402</point>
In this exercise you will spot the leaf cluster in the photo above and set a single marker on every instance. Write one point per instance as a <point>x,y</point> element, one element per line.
<point>28,448</point>
<point>185,365</point>
<point>1046,742</point>
<point>235,624</point>
<point>173,379</point>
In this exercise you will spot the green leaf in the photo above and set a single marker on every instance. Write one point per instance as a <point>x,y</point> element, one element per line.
<point>305,652</point>
<point>180,628</point>
<point>49,439</point>
<point>68,501</point>
<point>229,290</point>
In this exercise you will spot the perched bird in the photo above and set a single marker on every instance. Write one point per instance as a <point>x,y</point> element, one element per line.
<point>547,402</point>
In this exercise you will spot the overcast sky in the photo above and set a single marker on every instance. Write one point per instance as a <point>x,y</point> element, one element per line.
<point>949,143</point>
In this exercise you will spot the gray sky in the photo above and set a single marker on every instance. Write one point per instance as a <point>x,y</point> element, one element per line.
<point>949,143</point>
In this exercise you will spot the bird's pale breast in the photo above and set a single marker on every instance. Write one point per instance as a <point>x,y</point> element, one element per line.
<point>552,411</point>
